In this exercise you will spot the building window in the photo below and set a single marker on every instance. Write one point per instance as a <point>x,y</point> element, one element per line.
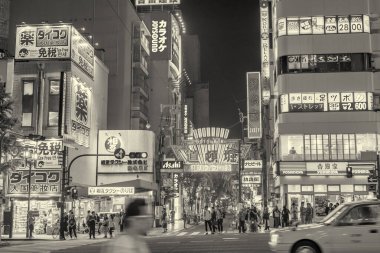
<point>53,107</point>
<point>320,188</point>
<point>323,63</point>
<point>333,188</point>
<point>323,25</point>
<point>294,188</point>
<point>360,188</point>
<point>307,188</point>
<point>347,188</point>
<point>27,102</point>
<point>291,147</point>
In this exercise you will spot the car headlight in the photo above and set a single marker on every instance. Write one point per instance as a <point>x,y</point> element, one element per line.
<point>274,239</point>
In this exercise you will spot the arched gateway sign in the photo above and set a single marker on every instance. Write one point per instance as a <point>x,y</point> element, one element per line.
<point>210,150</point>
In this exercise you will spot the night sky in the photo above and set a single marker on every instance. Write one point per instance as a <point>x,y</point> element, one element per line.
<point>230,46</point>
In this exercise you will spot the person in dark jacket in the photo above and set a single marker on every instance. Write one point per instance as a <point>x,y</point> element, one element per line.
<point>276,217</point>
<point>213,220</point>
<point>285,216</point>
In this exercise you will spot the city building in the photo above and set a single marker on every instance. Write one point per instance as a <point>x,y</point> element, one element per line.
<point>325,82</point>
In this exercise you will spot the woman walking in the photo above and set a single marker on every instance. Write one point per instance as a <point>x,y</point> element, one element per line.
<point>266,217</point>
<point>276,217</point>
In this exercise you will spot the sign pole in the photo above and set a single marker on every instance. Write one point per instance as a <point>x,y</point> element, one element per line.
<point>63,192</point>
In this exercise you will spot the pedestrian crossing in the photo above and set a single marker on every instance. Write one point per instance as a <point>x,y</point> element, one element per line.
<point>198,233</point>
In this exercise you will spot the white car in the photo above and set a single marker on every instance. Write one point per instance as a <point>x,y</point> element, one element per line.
<point>351,228</point>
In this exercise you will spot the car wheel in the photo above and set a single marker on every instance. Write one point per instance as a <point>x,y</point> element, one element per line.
<point>306,247</point>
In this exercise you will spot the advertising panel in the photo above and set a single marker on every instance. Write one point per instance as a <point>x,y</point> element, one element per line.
<point>330,24</point>
<point>264,31</point>
<point>82,53</point>
<point>305,25</point>
<point>343,24</point>
<point>161,39</point>
<point>250,179</point>
<point>130,141</point>
<point>110,191</point>
<point>185,115</point>
<point>208,168</point>
<point>254,105</point>
<point>293,26</point>
<point>253,164</point>
<point>281,26</point>
<point>318,25</point>
<point>43,182</point>
<point>42,42</point>
<point>81,104</point>
<point>324,102</point>
<point>156,2</point>
<point>356,23</point>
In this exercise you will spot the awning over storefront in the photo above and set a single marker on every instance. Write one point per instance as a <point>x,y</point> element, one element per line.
<point>139,184</point>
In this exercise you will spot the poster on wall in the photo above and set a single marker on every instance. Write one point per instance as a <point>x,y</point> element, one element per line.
<point>161,39</point>
<point>343,24</point>
<point>42,42</point>
<point>330,24</point>
<point>356,23</point>
<point>305,25</point>
<point>81,104</point>
<point>292,25</point>
<point>281,26</point>
<point>318,24</point>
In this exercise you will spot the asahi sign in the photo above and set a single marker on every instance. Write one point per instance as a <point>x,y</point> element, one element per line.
<point>254,105</point>
<point>172,165</point>
<point>161,31</point>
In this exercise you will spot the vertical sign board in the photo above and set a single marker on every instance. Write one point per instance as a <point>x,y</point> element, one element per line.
<point>161,31</point>
<point>254,105</point>
<point>82,53</point>
<point>185,115</point>
<point>264,31</point>
<point>81,101</point>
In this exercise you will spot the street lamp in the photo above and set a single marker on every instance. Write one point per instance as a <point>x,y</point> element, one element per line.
<point>30,159</point>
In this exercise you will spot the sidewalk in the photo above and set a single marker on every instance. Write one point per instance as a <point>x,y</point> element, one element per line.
<point>177,226</point>
<point>43,237</point>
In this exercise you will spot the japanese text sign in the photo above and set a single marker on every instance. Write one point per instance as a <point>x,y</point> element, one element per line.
<point>42,42</point>
<point>264,31</point>
<point>82,52</point>
<point>161,31</point>
<point>254,105</point>
<point>249,179</point>
<point>326,168</point>
<point>111,191</point>
<point>156,2</point>
<point>253,164</point>
<point>42,182</point>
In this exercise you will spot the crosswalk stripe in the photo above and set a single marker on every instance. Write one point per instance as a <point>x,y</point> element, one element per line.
<point>182,234</point>
<point>194,233</point>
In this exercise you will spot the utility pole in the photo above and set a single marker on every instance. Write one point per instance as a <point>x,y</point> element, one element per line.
<point>241,120</point>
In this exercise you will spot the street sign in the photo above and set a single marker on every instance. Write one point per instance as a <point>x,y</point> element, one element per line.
<point>111,191</point>
<point>372,179</point>
<point>119,153</point>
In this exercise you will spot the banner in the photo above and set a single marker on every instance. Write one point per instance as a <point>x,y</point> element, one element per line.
<point>254,105</point>
<point>42,42</point>
<point>110,191</point>
<point>156,2</point>
<point>81,104</point>
<point>161,39</point>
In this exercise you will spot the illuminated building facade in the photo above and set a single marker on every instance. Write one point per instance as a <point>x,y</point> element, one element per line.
<point>326,84</point>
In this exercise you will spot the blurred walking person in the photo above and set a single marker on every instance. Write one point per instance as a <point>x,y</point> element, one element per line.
<point>31,222</point>
<point>276,217</point>
<point>303,213</point>
<point>72,225</point>
<point>164,220</point>
<point>207,218</point>
<point>309,214</point>
<point>105,225</point>
<point>285,216</point>
<point>91,224</point>
<point>242,215</point>
<point>266,217</point>
<point>219,218</point>
<point>137,222</point>
<point>112,224</point>
<point>293,213</point>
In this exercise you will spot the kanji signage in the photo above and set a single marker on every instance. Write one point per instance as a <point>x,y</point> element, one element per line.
<point>156,2</point>
<point>81,103</point>
<point>161,40</point>
<point>264,31</point>
<point>326,168</point>
<point>254,105</point>
<point>325,102</point>
<point>82,52</point>
<point>42,182</point>
<point>110,191</point>
<point>250,179</point>
<point>208,168</point>
<point>176,182</point>
<point>42,42</point>
<point>253,164</point>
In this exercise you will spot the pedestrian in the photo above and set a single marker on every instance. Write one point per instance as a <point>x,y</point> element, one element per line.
<point>309,214</point>
<point>266,217</point>
<point>136,222</point>
<point>164,220</point>
<point>92,224</point>
<point>172,216</point>
<point>294,213</point>
<point>98,221</point>
<point>331,207</point>
<point>213,220</point>
<point>121,225</point>
<point>253,217</point>
<point>285,216</point>
<point>45,222</point>
<point>31,222</point>
<point>219,216</point>
<point>184,217</point>
<point>112,224</point>
<point>105,225</point>
<point>276,217</point>
<point>72,225</point>
<point>242,217</point>
<point>207,218</point>
<point>303,213</point>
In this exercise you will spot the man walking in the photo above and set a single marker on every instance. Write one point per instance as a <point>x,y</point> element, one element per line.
<point>184,216</point>
<point>285,216</point>
<point>213,220</point>
<point>266,217</point>
<point>91,224</point>
<point>303,213</point>
<point>207,218</point>
<point>72,225</point>
<point>219,217</point>
<point>309,214</point>
<point>242,215</point>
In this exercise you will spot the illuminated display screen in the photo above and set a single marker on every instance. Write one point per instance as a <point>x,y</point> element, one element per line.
<point>327,102</point>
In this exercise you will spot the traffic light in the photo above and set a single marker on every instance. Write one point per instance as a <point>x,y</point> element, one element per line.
<point>138,155</point>
<point>68,190</point>
<point>74,193</point>
<point>349,172</point>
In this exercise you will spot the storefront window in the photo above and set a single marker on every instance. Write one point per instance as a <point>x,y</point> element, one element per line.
<point>291,147</point>
<point>320,188</point>
<point>333,188</point>
<point>307,188</point>
<point>360,188</point>
<point>294,188</point>
<point>347,188</point>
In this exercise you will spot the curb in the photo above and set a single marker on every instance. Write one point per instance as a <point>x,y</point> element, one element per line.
<point>4,244</point>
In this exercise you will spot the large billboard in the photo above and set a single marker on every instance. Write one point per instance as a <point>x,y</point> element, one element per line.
<point>254,105</point>
<point>130,141</point>
<point>264,33</point>
<point>161,39</point>
<point>54,42</point>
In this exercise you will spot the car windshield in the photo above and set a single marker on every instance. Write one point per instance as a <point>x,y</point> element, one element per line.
<point>331,217</point>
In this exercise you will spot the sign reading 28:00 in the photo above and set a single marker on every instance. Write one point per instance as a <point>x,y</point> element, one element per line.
<point>325,102</point>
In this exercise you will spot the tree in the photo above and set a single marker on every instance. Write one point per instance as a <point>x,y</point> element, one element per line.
<point>7,121</point>
<point>221,184</point>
